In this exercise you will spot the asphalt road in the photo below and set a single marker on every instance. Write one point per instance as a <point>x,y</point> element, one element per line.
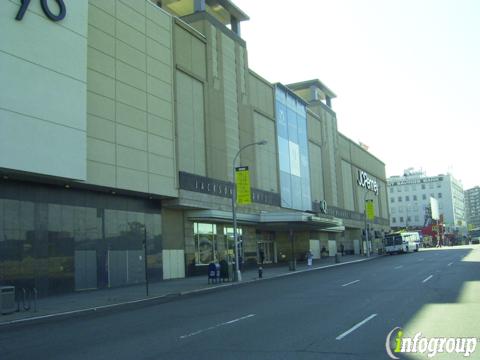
<point>338,313</point>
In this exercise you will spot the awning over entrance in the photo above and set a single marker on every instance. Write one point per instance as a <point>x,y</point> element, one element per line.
<point>280,221</point>
<point>221,216</point>
<point>301,221</point>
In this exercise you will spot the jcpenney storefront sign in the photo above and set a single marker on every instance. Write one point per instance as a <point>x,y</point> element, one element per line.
<point>367,182</point>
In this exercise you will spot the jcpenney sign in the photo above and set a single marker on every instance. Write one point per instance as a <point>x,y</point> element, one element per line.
<point>368,183</point>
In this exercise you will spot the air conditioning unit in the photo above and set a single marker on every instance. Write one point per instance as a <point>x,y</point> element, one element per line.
<point>7,299</point>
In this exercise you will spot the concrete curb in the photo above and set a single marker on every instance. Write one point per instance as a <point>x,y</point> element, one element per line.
<point>156,299</point>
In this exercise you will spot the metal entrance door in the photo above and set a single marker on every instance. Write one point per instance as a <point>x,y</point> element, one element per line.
<point>315,248</point>
<point>268,250</point>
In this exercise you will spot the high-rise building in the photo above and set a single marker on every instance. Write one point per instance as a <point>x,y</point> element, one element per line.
<point>472,207</point>
<point>409,196</point>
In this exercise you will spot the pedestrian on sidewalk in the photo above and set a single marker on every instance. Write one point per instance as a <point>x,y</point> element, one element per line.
<point>342,249</point>
<point>323,252</point>
<point>262,256</point>
<point>309,258</point>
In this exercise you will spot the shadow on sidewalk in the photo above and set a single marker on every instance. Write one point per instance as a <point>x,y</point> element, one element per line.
<point>74,304</point>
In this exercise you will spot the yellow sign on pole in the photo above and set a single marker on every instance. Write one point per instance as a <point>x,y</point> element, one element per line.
<point>370,209</point>
<point>242,179</point>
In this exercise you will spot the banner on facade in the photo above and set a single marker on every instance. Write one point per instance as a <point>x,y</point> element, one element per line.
<point>242,179</point>
<point>370,209</point>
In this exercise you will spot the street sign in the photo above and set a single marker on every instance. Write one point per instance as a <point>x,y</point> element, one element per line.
<point>370,209</point>
<point>242,179</point>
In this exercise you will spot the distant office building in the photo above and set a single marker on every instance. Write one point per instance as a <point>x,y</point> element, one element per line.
<point>410,194</point>
<point>472,206</point>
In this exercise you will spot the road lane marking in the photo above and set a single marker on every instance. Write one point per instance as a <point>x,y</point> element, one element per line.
<point>350,283</point>
<point>217,326</point>
<point>428,278</point>
<point>421,259</point>
<point>398,267</point>
<point>363,322</point>
<point>450,264</point>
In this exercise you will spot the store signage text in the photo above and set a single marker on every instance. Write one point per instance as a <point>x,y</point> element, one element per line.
<point>210,186</point>
<point>44,3</point>
<point>416,181</point>
<point>368,183</point>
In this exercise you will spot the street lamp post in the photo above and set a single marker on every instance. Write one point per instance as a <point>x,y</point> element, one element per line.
<point>366,224</point>
<point>238,275</point>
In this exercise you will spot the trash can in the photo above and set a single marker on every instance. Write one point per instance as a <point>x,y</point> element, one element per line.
<point>7,299</point>
<point>337,258</point>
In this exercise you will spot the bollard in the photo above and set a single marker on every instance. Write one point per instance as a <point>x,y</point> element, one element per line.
<point>260,272</point>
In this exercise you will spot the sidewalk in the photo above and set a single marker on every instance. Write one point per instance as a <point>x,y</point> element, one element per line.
<point>81,303</point>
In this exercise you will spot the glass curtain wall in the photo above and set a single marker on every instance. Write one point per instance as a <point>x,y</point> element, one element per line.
<point>61,240</point>
<point>291,116</point>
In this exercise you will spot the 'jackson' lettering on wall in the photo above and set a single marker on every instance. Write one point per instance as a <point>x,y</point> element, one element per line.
<point>62,12</point>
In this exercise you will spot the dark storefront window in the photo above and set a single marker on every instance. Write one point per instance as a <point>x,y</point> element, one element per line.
<point>60,240</point>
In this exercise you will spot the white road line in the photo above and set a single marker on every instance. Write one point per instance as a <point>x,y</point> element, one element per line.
<point>340,337</point>
<point>428,278</point>
<point>216,326</point>
<point>350,283</point>
<point>398,267</point>
<point>450,264</point>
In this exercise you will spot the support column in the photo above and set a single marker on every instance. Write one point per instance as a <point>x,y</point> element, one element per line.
<point>329,101</point>
<point>235,25</point>
<point>293,260</point>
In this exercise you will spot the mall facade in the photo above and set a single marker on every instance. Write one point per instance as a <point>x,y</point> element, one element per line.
<point>119,124</point>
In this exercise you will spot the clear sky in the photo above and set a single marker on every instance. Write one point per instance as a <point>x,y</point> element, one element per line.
<point>406,73</point>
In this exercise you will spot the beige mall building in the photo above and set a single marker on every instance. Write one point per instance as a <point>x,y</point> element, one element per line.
<point>119,124</point>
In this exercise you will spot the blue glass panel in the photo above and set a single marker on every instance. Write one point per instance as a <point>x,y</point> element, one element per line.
<point>301,110</point>
<point>307,196</point>
<point>303,164</point>
<point>281,115</point>
<point>284,155</point>
<point>280,95</point>
<point>285,186</point>
<point>296,192</point>
<point>292,126</point>
<point>291,103</point>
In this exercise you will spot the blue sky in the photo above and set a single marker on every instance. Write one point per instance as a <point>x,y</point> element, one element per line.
<point>406,72</point>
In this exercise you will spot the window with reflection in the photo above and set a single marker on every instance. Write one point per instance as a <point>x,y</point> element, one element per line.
<point>205,243</point>
<point>229,243</point>
<point>57,240</point>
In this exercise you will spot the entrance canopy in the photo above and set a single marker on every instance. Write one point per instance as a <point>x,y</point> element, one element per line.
<point>280,221</point>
